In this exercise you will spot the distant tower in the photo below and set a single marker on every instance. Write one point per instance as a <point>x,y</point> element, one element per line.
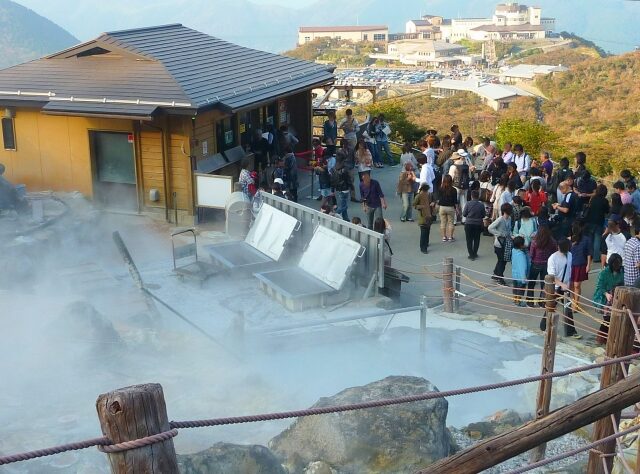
<point>489,52</point>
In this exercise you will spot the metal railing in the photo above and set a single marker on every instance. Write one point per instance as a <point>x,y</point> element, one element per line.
<point>371,265</point>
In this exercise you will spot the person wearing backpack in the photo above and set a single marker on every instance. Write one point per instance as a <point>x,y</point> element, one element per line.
<point>324,171</point>
<point>459,171</point>
<point>342,183</point>
<point>522,161</point>
<point>559,176</point>
<point>526,226</point>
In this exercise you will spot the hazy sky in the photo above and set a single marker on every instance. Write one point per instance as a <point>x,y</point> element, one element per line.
<point>610,23</point>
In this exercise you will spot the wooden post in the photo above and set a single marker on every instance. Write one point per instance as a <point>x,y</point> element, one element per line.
<point>543,401</point>
<point>132,413</point>
<point>423,324</point>
<point>619,343</point>
<point>493,451</point>
<point>447,284</point>
<point>456,292</point>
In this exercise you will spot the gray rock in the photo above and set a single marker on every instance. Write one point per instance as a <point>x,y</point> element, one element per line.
<point>398,438</point>
<point>319,467</point>
<point>223,458</point>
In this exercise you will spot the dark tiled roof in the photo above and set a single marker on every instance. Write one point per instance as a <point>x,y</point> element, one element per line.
<point>163,65</point>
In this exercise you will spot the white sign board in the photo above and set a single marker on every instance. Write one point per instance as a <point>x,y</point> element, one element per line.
<point>213,190</point>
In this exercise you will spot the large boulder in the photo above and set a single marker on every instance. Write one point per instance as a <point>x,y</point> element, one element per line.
<point>397,438</point>
<point>231,458</point>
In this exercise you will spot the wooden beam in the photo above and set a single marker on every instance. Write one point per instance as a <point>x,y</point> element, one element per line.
<point>493,451</point>
<point>447,284</point>
<point>619,343</point>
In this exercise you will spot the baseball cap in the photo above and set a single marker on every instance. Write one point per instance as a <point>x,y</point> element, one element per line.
<point>279,181</point>
<point>462,152</point>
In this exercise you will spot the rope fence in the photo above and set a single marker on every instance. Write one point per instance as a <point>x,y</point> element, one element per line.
<point>105,445</point>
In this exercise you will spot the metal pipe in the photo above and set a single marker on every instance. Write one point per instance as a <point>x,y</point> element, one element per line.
<point>343,319</point>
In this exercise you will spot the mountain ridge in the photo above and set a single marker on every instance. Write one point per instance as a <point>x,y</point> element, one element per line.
<point>26,35</point>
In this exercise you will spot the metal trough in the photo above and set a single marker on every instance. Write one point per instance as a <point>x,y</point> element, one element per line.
<point>323,270</point>
<point>264,244</point>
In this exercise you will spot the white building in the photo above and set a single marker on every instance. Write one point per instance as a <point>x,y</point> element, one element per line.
<point>374,33</point>
<point>510,21</point>
<point>496,96</point>
<point>528,72</point>
<point>423,53</point>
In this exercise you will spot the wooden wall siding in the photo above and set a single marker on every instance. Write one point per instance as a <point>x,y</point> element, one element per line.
<point>180,166</point>
<point>152,167</point>
<point>53,151</point>
<point>205,129</point>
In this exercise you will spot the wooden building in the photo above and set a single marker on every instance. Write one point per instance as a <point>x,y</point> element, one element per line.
<point>126,118</point>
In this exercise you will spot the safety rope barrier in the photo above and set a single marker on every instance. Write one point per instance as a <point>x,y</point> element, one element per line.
<point>106,444</point>
<point>576,451</point>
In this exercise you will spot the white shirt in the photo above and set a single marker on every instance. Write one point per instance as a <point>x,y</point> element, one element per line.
<point>558,265</point>
<point>507,157</point>
<point>427,175</point>
<point>615,244</point>
<point>523,163</point>
<point>349,135</point>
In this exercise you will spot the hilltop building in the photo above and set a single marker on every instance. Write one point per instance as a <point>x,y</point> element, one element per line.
<point>374,33</point>
<point>510,21</point>
<point>496,96</point>
<point>427,53</point>
<point>132,117</point>
<point>528,72</point>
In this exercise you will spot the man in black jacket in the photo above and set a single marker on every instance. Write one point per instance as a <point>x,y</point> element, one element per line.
<point>474,213</point>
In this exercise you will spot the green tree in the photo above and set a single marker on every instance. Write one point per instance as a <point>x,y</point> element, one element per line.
<point>402,129</point>
<point>533,136</point>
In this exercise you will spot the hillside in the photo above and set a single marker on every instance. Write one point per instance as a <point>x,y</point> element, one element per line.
<point>594,107</point>
<point>25,35</point>
<point>577,51</point>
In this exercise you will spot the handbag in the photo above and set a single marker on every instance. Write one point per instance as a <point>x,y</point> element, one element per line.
<point>507,246</point>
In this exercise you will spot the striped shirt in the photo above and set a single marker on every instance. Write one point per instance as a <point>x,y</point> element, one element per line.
<point>630,260</point>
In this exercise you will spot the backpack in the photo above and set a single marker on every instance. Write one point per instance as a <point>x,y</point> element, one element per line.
<point>252,187</point>
<point>558,178</point>
<point>461,179</point>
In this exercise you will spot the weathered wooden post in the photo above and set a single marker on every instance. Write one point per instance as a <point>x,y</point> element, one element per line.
<point>423,324</point>
<point>132,413</point>
<point>447,284</point>
<point>619,343</point>
<point>543,401</point>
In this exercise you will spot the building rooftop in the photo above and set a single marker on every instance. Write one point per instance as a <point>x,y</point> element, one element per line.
<point>338,29</point>
<point>506,29</point>
<point>171,67</point>
<point>483,89</point>
<point>430,45</point>
<point>421,22</point>
<point>529,71</point>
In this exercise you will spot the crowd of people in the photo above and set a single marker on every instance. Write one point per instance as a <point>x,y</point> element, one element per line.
<point>545,217</point>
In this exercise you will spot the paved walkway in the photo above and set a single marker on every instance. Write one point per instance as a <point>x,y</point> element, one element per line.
<point>425,281</point>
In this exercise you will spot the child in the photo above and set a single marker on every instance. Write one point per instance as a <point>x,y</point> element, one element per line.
<point>519,271</point>
<point>526,227</point>
<point>356,221</point>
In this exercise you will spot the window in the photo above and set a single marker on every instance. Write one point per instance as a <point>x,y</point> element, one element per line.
<point>365,37</point>
<point>379,37</point>
<point>307,39</point>
<point>8,134</point>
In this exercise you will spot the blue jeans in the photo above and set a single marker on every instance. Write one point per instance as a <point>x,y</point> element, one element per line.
<point>342,198</point>
<point>374,152</point>
<point>595,232</point>
<point>407,206</point>
<point>384,146</point>
<point>372,214</point>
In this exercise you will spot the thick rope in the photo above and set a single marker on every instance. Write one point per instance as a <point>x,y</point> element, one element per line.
<point>138,443</point>
<point>569,454</point>
<point>53,450</point>
<point>301,413</point>
<point>393,401</point>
